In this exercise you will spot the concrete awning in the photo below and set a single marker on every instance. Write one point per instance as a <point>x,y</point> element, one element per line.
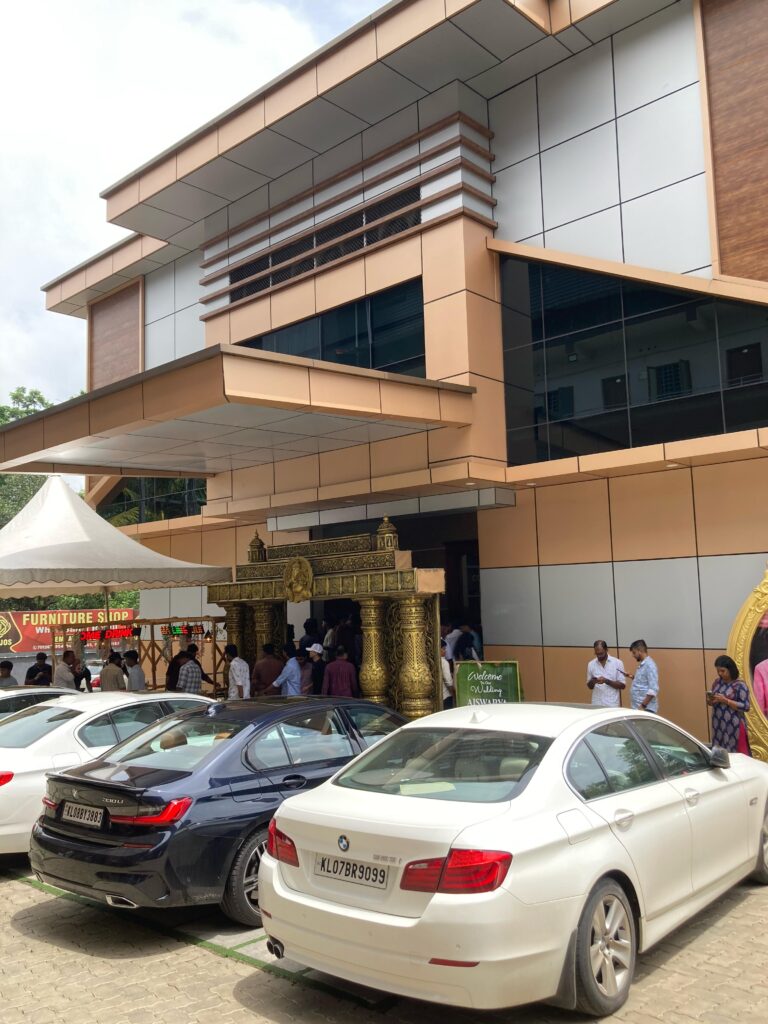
<point>227,408</point>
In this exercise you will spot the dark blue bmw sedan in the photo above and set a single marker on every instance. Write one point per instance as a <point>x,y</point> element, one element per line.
<point>177,815</point>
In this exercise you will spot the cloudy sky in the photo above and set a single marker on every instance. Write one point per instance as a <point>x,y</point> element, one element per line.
<point>92,89</point>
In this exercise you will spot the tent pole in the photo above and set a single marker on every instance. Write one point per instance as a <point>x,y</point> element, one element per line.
<point>106,603</point>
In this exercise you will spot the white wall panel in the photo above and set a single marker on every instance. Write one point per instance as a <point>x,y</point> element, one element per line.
<point>658,600</point>
<point>510,606</point>
<point>580,177</point>
<point>158,294</point>
<point>189,330</point>
<point>655,57</point>
<point>158,343</point>
<point>518,191</point>
<point>515,125</point>
<point>598,236</point>
<point>661,143</point>
<point>577,604</point>
<point>187,273</point>
<point>576,95</point>
<point>669,229</point>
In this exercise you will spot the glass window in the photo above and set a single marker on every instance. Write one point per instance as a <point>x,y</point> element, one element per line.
<point>623,760</point>
<point>177,743</point>
<point>129,720</point>
<point>19,701</point>
<point>573,299</point>
<point>301,339</point>
<point>180,704</point>
<point>745,408</point>
<point>475,766</point>
<point>675,753</point>
<point>26,727</point>
<point>586,775</point>
<point>345,335</point>
<point>397,325</point>
<point>642,297</point>
<point>317,736</point>
<point>372,723</point>
<point>98,733</point>
<point>268,750</point>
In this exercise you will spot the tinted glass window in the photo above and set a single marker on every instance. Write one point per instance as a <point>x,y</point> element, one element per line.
<point>25,727</point>
<point>372,723</point>
<point>19,701</point>
<point>317,736</point>
<point>622,758</point>
<point>177,743</point>
<point>675,753</point>
<point>98,733</point>
<point>179,704</point>
<point>586,775</point>
<point>470,765</point>
<point>268,750</point>
<point>594,363</point>
<point>127,721</point>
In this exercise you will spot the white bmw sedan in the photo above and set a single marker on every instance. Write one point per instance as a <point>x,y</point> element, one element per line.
<point>62,732</point>
<point>493,856</point>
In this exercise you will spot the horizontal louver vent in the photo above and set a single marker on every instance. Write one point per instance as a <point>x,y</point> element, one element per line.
<point>285,263</point>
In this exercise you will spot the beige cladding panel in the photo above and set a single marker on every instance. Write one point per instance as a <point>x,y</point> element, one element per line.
<point>266,383</point>
<point>347,60</point>
<point>485,438</point>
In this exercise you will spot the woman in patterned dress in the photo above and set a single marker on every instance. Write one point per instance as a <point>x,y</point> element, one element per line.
<point>729,700</point>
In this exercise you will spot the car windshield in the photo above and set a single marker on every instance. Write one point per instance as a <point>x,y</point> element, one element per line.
<point>178,743</point>
<point>26,727</point>
<point>469,765</point>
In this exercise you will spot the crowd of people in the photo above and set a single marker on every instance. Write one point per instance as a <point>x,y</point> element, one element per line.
<point>118,672</point>
<point>728,696</point>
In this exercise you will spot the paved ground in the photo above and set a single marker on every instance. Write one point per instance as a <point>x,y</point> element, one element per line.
<point>63,961</point>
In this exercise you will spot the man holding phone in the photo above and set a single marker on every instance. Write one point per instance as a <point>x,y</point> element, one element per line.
<point>605,677</point>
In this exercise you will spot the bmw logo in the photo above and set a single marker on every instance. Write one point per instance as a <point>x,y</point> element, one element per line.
<point>343,844</point>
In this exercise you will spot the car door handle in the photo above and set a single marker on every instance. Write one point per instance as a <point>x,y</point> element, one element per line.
<point>691,796</point>
<point>624,819</point>
<point>294,781</point>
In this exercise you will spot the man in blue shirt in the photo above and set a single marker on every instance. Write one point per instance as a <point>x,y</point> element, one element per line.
<point>288,683</point>
<point>645,686</point>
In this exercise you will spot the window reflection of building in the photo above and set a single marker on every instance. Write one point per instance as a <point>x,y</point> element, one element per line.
<point>594,363</point>
<point>150,499</point>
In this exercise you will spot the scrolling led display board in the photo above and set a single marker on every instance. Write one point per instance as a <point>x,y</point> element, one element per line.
<point>112,633</point>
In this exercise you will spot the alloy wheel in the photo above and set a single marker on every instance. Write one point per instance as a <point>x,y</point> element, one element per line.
<point>251,875</point>
<point>610,949</point>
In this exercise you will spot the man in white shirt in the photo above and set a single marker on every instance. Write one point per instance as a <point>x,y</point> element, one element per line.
<point>450,634</point>
<point>239,674</point>
<point>65,671</point>
<point>137,681</point>
<point>605,677</point>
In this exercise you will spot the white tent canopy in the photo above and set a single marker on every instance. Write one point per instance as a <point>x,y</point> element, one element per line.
<point>57,544</point>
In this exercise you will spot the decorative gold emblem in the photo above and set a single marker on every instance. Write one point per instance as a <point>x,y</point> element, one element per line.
<point>297,580</point>
<point>386,536</point>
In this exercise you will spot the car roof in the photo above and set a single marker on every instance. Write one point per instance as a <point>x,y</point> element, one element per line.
<point>264,707</point>
<point>532,718</point>
<point>10,691</point>
<point>112,699</point>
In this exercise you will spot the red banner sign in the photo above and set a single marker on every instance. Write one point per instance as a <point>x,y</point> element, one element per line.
<point>29,632</point>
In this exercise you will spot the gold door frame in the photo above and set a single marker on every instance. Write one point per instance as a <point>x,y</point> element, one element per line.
<point>740,648</point>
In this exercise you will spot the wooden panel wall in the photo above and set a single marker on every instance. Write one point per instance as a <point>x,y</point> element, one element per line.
<point>115,337</point>
<point>736,43</point>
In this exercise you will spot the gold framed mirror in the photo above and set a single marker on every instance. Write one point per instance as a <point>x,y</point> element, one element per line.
<point>748,646</point>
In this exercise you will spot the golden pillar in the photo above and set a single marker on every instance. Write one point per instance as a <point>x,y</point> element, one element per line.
<point>374,677</point>
<point>263,625</point>
<point>233,624</point>
<point>247,649</point>
<point>415,678</point>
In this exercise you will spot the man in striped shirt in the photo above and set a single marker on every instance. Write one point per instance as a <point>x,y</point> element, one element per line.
<point>190,674</point>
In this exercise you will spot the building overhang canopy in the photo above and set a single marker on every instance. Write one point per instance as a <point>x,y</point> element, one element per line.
<point>227,408</point>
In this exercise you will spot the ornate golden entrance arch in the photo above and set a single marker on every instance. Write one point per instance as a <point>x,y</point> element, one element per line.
<point>399,608</point>
<point>743,648</point>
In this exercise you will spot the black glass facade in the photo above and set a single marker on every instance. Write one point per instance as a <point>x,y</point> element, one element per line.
<point>594,363</point>
<point>149,499</point>
<point>384,331</point>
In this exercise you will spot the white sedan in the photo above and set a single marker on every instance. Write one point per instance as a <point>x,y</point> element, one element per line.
<point>493,856</point>
<point>63,732</point>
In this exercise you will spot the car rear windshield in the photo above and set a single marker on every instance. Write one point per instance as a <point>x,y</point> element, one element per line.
<point>26,727</point>
<point>178,743</point>
<point>466,765</point>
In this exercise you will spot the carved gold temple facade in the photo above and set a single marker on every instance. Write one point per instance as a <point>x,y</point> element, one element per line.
<point>399,608</point>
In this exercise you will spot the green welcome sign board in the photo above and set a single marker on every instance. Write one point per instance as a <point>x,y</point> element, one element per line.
<point>487,682</point>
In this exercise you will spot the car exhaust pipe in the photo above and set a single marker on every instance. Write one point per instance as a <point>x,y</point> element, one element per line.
<point>276,948</point>
<point>121,902</point>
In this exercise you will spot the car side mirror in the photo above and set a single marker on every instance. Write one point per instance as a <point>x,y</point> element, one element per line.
<point>719,758</point>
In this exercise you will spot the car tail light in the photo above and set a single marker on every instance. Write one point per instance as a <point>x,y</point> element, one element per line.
<point>462,871</point>
<point>474,870</point>
<point>422,875</point>
<point>281,847</point>
<point>47,802</point>
<point>5,777</point>
<point>168,815</point>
